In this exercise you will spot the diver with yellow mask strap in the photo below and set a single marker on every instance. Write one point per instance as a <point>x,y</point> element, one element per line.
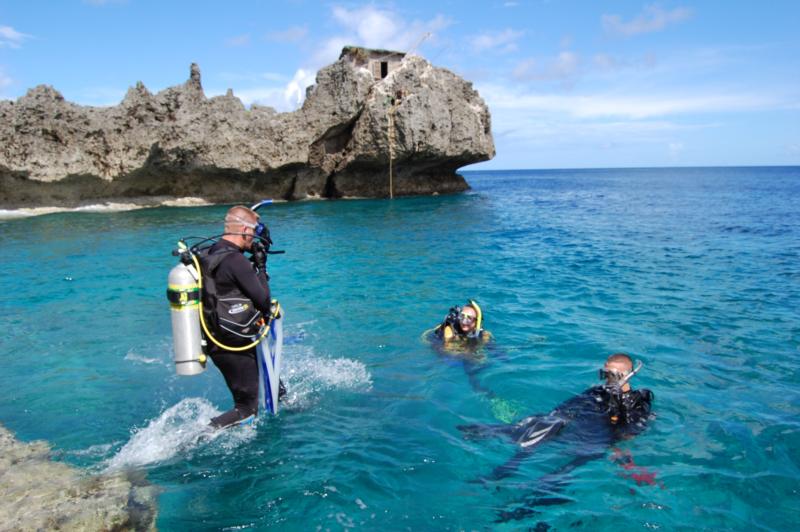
<point>461,339</point>
<point>463,324</point>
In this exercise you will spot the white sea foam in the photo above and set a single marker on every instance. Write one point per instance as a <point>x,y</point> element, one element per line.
<point>180,429</point>
<point>94,451</point>
<point>186,202</point>
<point>183,427</point>
<point>308,376</point>
<point>133,356</point>
<point>110,206</point>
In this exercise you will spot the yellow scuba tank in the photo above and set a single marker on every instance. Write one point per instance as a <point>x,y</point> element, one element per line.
<point>183,293</point>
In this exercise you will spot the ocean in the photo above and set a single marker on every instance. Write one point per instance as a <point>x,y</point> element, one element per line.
<point>693,271</point>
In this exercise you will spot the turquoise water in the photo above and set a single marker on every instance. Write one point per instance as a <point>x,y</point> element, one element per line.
<point>694,271</point>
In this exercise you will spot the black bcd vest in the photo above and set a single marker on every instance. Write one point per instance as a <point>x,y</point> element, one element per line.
<point>231,317</point>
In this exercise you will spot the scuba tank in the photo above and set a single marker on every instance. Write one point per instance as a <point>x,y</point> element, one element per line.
<point>183,293</point>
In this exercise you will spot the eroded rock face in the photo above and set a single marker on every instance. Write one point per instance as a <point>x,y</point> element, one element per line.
<point>179,143</point>
<point>39,494</point>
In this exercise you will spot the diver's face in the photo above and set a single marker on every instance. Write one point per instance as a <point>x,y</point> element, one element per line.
<point>615,371</point>
<point>467,319</point>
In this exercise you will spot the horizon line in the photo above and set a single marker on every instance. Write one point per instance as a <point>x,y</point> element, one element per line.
<point>631,167</point>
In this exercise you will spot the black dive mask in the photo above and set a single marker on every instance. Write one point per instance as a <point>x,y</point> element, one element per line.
<point>615,380</point>
<point>261,231</point>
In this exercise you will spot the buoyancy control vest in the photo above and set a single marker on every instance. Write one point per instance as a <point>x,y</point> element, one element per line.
<point>231,317</point>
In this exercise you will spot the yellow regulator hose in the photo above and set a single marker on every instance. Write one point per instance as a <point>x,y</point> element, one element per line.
<point>203,321</point>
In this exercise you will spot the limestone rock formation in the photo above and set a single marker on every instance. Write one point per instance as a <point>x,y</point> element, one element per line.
<point>39,494</point>
<point>422,121</point>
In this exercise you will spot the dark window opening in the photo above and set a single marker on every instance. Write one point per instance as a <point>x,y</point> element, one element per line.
<point>384,69</point>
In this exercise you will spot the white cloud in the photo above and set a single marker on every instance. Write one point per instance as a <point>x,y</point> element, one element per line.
<point>563,67</point>
<point>271,96</point>
<point>535,129</point>
<point>503,41</point>
<point>283,96</point>
<point>631,106</point>
<point>295,90</point>
<point>289,35</point>
<point>367,26</point>
<point>654,18</point>
<point>376,28</point>
<point>238,40</point>
<point>11,38</point>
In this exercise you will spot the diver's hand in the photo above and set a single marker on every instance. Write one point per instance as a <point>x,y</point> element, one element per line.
<point>259,257</point>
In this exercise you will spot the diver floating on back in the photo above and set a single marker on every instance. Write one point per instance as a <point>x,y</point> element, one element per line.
<point>588,424</point>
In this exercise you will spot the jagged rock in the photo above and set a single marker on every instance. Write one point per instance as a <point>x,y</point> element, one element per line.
<point>39,494</point>
<point>179,143</point>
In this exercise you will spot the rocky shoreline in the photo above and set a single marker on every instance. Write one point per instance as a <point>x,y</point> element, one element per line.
<point>37,493</point>
<point>403,128</point>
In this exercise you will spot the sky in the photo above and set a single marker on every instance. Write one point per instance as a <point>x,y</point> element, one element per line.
<point>569,84</point>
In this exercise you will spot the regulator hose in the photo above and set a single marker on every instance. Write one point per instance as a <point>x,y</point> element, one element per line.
<point>203,321</point>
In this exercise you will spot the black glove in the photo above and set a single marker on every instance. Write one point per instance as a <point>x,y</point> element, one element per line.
<point>259,257</point>
<point>452,318</point>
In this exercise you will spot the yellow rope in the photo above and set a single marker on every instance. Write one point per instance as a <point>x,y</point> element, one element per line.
<point>390,138</point>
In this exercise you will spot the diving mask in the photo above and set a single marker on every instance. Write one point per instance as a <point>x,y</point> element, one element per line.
<point>468,318</point>
<point>619,379</point>
<point>260,230</point>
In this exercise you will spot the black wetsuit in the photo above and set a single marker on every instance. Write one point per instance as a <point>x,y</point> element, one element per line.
<point>237,275</point>
<point>589,423</point>
<point>588,418</point>
<point>606,415</point>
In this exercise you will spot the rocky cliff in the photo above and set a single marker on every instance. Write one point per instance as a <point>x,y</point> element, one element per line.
<point>422,121</point>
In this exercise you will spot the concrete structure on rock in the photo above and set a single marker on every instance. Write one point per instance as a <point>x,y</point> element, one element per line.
<point>379,62</point>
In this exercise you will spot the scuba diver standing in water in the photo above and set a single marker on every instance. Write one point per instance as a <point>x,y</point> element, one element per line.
<point>236,299</point>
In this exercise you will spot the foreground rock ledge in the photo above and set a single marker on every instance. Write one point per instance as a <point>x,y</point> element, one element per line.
<point>178,143</point>
<point>38,494</point>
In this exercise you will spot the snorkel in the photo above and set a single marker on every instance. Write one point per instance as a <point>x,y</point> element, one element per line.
<point>614,386</point>
<point>478,318</point>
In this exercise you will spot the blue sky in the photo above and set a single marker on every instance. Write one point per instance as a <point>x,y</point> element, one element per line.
<point>570,84</point>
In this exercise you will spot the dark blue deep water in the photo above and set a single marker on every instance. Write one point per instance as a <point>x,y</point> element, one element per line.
<point>696,272</point>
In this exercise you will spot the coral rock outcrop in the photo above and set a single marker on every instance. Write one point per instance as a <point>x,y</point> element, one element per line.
<point>421,121</point>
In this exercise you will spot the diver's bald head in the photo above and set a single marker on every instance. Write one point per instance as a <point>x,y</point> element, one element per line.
<point>240,226</point>
<point>239,215</point>
<point>620,362</point>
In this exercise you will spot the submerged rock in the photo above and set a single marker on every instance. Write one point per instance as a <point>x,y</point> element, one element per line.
<point>364,115</point>
<point>39,494</point>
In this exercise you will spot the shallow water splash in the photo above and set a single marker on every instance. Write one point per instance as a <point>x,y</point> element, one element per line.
<point>694,271</point>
